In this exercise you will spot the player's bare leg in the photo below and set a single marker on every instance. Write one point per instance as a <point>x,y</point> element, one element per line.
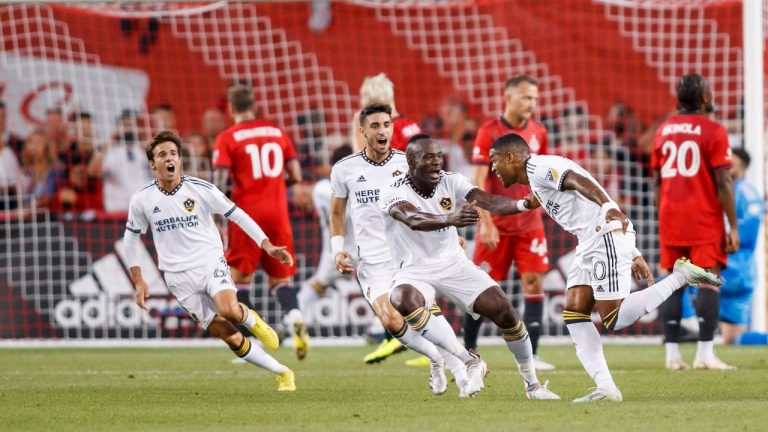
<point>533,296</point>
<point>494,305</point>
<point>247,349</point>
<point>287,297</point>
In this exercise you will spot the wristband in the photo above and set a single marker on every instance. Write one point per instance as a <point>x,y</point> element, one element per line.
<point>521,206</point>
<point>609,205</point>
<point>337,245</point>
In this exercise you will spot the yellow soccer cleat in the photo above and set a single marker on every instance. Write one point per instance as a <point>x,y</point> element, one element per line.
<point>422,361</point>
<point>286,381</point>
<point>300,339</point>
<point>264,332</point>
<point>385,349</point>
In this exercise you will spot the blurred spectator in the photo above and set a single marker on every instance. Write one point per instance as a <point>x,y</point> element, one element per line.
<point>57,131</point>
<point>320,16</point>
<point>163,118</point>
<point>311,146</point>
<point>79,191</point>
<point>456,133</point>
<point>573,134</point>
<point>623,121</point>
<point>123,167</point>
<point>603,167</point>
<point>214,122</point>
<point>41,169</point>
<point>9,139</point>
<point>196,156</point>
<point>12,179</point>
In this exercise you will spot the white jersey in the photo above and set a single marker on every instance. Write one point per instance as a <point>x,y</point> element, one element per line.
<point>182,222</point>
<point>360,180</point>
<point>321,199</point>
<point>573,211</point>
<point>419,248</point>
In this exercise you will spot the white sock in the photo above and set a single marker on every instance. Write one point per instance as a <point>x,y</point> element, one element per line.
<point>705,351</point>
<point>437,331</point>
<point>416,342</point>
<point>250,318</point>
<point>523,352</point>
<point>307,297</point>
<point>639,303</point>
<point>456,366</point>
<point>589,350</point>
<point>673,351</point>
<point>254,354</point>
<point>293,316</point>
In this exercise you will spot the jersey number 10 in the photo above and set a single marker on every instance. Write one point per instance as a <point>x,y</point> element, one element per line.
<point>676,159</point>
<point>261,165</point>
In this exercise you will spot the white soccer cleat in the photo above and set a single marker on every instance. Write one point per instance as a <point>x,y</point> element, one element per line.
<point>475,382</point>
<point>693,274</point>
<point>601,394</point>
<point>540,392</point>
<point>677,365</point>
<point>438,383</point>
<point>714,364</point>
<point>542,365</point>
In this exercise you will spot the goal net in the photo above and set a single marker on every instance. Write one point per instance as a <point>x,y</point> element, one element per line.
<point>606,73</point>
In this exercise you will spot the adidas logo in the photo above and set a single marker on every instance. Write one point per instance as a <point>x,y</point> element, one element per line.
<point>156,210</point>
<point>361,179</point>
<point>599,289</point>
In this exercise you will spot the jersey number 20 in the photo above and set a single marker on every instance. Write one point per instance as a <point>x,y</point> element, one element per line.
<point>261,165</point>
<point>676,159</point>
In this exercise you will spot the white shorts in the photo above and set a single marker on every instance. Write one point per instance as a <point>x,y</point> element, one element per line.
<point>606,266</point>
<point>375,279</point>
<point>458,279</point>
<point>196,288</point>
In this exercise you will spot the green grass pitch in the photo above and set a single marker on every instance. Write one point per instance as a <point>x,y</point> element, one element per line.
<point>198,389</point>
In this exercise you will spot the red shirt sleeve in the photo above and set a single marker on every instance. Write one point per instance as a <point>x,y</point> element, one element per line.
<point>718,150</point>
<point>544,150</point>
<point>221,156</point>
<point>289,151</point>
<point>482,148</point>
<point>655,156</point>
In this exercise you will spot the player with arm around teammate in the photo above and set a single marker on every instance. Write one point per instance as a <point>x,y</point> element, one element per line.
<point>606,256</point>
<point>179,210</point>
<point>425,206</point>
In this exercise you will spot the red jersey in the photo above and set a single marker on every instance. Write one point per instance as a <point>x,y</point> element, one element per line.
<point>256,152</point>
<point>686,150</point>
<point>402,130</point>
<point>536,136</point>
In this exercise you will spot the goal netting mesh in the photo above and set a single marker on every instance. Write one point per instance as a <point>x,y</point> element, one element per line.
<point>606,73</point>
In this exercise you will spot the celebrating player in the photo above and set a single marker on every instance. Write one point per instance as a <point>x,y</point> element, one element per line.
<point>357,181</point>
<point>606,257</point>
<point>518,238</point>
<point>426,205</point>
<point>257,153</point>
<point>691,158</point>
<point>179,210</point>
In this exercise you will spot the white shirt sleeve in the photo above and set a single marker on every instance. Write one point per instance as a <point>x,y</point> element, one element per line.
<point>460,186</point>
<point>392,195</point>
<point>337,182</point>
<point>215,200</point>
<point>248,225</point>
<point>550,173</point>
<point>137,221</point>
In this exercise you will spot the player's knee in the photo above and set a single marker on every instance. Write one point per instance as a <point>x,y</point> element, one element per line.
<point>531,283</point>
<point>405,299</point>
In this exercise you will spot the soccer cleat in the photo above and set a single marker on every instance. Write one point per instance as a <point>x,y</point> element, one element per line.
<point>385,349</point>
<point>486,369</point>
<point>540,392</point>
<point>264,332</point>
<point>438,383</point>
<point>693,274</point>
<point>542,365</point>
<point>422,361</point>
<point>286,381</point>
<point>677,365</point>
<point>714,364</point>
<point>300,339</point>
<point>601,394</point>
<point>474,384</point>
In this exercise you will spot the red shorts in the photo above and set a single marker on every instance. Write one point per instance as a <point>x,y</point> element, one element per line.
<point>705,255</point>
<point>245,255</point>
<point>528,251</point>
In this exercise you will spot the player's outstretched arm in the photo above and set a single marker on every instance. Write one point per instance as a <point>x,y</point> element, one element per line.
<point>338,227</point>
<point>591,191</point>
<point>502,205</point>
<point>724,185</point>
<point>294,172</point>
<point>277,252</point>
<point>256,234</point>
<point>132,242</point>
<point>416,220</point>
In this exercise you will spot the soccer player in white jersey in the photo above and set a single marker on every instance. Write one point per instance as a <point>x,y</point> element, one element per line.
<point>357,181</point>
<point>179,210</point>
<point>606,256</point>
<point>426,205</point>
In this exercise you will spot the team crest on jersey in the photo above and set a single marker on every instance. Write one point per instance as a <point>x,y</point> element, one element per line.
<point>396,172</point>
<point>552,175</point>
<point>189,204</point>
<point>446,202</point>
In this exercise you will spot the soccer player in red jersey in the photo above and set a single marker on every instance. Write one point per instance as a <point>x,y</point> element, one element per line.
<point>502,239</point>
<point>691,160</point>
<point>257,154</point>
<point>380,89</point>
